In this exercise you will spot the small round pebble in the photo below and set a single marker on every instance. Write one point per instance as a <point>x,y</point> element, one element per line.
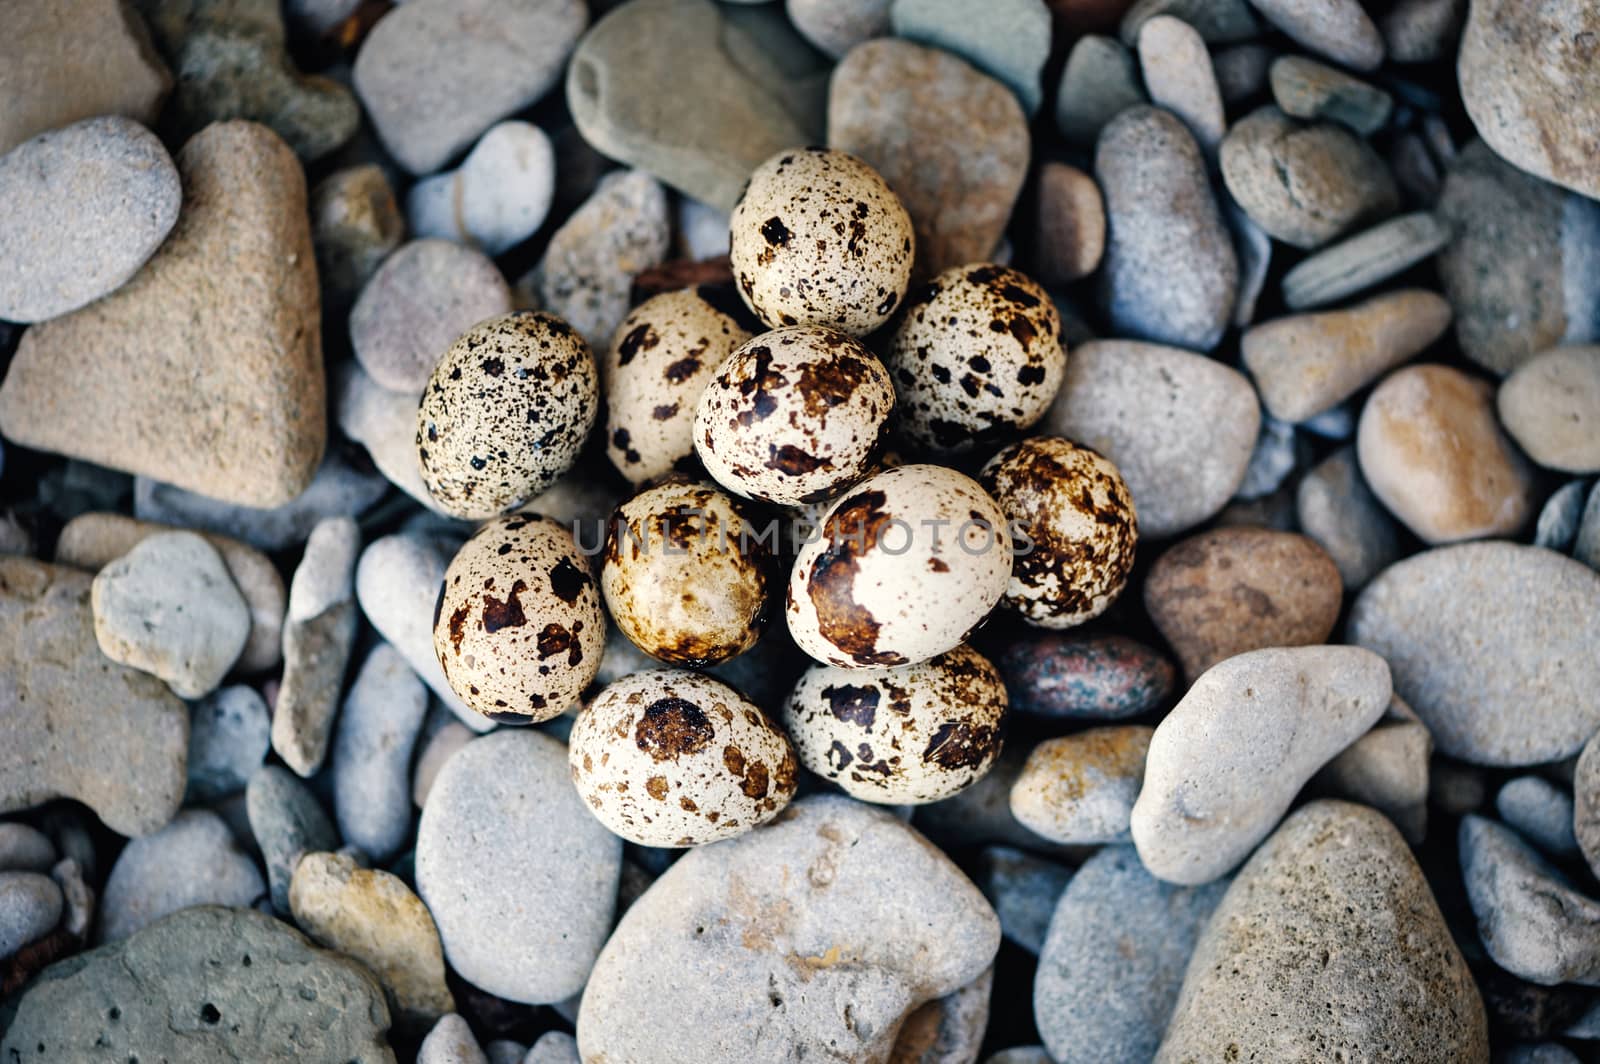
<point>1080,789</point>
<point>1072,224</point>
<point>1551,406</point>
<point>1090,678</point>
<point>1541,811</point>
<point>30,906</point>
<point>836,26</point>
<point>496,199</point>
<point>372,753</point>
<point>1336,509</point>
<point>25,849</point>
<point>1178,75</point>
<point>192,861</point>
<point>229,736</point>
<point>1339,29</point>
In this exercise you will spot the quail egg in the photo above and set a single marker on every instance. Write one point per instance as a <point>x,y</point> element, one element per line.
<point>904,567</point>
<point>908,735</point>
<point>676,758</point>
<point>1075,525</point>
<point>686,575</point>
<point>505,413</point>
<point>663,356</point>
<point>976,356</point>
<point>518,626</point>
<point>818,238</point>
<point>795,415</point>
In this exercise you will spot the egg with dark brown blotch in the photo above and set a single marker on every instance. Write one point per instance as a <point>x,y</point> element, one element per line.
<point>675,758</point>
<point>505,413</point>
<point>904,567</point>
<point>818,238</point>
<point>795,415</point>
<point>907,735</point>
<point>1077,529</point>
<point>662,357</point>
<point>518,626</point>
<point>687,575</point>
<point>977,356</point>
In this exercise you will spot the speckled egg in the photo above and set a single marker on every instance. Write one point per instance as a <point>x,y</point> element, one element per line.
<point>1075,524</point>
<point>518,625</point>
<point>818,238</point>
<point>794,416</point>
<point>505,413</point>
<point>905,566</point>
<point>686,574</point>
<point>908,735</point>
<point>675,758</point>
<point>663,356</point>
<point>976,357</point>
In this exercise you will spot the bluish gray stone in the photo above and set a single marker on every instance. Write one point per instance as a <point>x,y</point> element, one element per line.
<point>30,905</point>
<point>1010,42</point>
<point>1219,21</point>
<point>192,861</point>
<point>1541,811</point>
<point>1335,507</point>
<point>1024,890</point>
<point>229,736</point>
<point>1558,520</point>
<point>1586,547</point>
<point>288,822</point>
<point>25,849</point>
<point>372,753</point>
<point>451,1042</point>
<point>1101,80</point>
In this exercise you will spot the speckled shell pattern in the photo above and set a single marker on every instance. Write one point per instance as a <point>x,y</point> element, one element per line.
<point>663,356</point>
<point>675,758</point>
<point>686,575</point>
<point>906,566</point>
<point>976,357</point>
<point>505,413</point>
<point>518,626</point>
<point>908,735</point>
<point>818,238</point>
<point>1079,516</point>
<point>794,416</point>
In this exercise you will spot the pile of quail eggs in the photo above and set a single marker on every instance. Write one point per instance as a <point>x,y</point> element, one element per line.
<point>803,397</point>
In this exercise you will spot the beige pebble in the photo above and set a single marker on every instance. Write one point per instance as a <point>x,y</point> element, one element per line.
<point>1551,406</point>
<point>1072,224</point>
<point>1178,75</point>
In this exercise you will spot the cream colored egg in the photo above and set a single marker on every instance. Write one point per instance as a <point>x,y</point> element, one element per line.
<point>904,567</point>
<point>687,575</point>
<point>976,357</point>
<point>794,416</point>
<point>907,735</point>
<point>818,238</point>
<point>518,626</point>
<point>1076,527</point>
<point>663,356</point>
<point>676,758</point>
<point>505,413</point>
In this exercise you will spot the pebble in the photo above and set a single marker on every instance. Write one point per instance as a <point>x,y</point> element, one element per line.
<point>1532,921</point>
<point>372,916</point>
<point>1024,890</point>
<point>180,990</point>
<point>168,607</point>
<point>1305,88</point>
<point>1219,21</point>
<point>1242,71</point>
<point>949,139</point>
<point>1178,426</point>
<point>836,26</point>
<point>1080,789</point>
<point>1170,274</point>
<point>192,861</point>
<point>434,74</point>
<point>1586,803</point>
<point>794,909</point>
<point>355,224</point>
<point>230,733</point>
<point>385,423</point>
<point>555,1047</point>
<point>317,638</point>
<point>111,68</point>
<point>1551,406</point>
<point>87,205</point>
<point>1254,248</point>
<point>1545,1053</point>
<point>1335,881</point>
<point>1219,776</point>
<point>503,824</point>
<point>451,1042</point>
<point>947,1030</point>
<point>1335,509</point>
<point>1113,959</point>
<point>1586,548</point>
<point>1387,768</point>
<point>1531,86</point>
<point>1010,42</point>
<point>1021,1055</point>
<point>1305,185</point>
<point>1338,29</point>
<point>129,381</point>
<point>1558,520</point>
<point>1230,590</point>
<point>1100,81</point>
<point>1520,270</point>
<point>1072,224</point>
<point>496,198</point>
<point>127,766</point>
<point>1470,629</point>
<point>372,753</point>
<point>1306,364</point>
<point>1074,677</point>
<point>30,906</point>
<point>981,814</point>
<point>744,104</point>
<point>1421,31</point>
<point>1178,76</point>
<point>1361,261</point>
<point>702,230</point>
<point>287,822</point>
<point>1541,812</point>
<point>1274,458</point>
<point>78,898</point>
<point>25,849</point>
<point>1433,453</point>
<point>436,751</point>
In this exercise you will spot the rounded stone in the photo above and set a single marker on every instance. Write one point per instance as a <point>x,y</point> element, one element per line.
<point>1107,677</point>
<point>25,849</point>
<point>372,754</point>
<point>1339,29</point>
<point>229,737</point>
<point>1337,510</point>
<point>192,861</point>
<point>836,26</point>
<point>30,907</point>
<point>1072,224</point>
<point>1179,77</point>
<point>1080,789</point>
<point>496,198</point>
<point>1551,406</point>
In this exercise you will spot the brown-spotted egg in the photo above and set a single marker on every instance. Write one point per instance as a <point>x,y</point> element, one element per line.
<point>676,758</point>
<point>1076,527</point>
<point>905,566</point>
<point>818,238</point>
<point>518,626</point>
<point>976,356</point>
<point>794,416</point>
<point>907,735</point>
